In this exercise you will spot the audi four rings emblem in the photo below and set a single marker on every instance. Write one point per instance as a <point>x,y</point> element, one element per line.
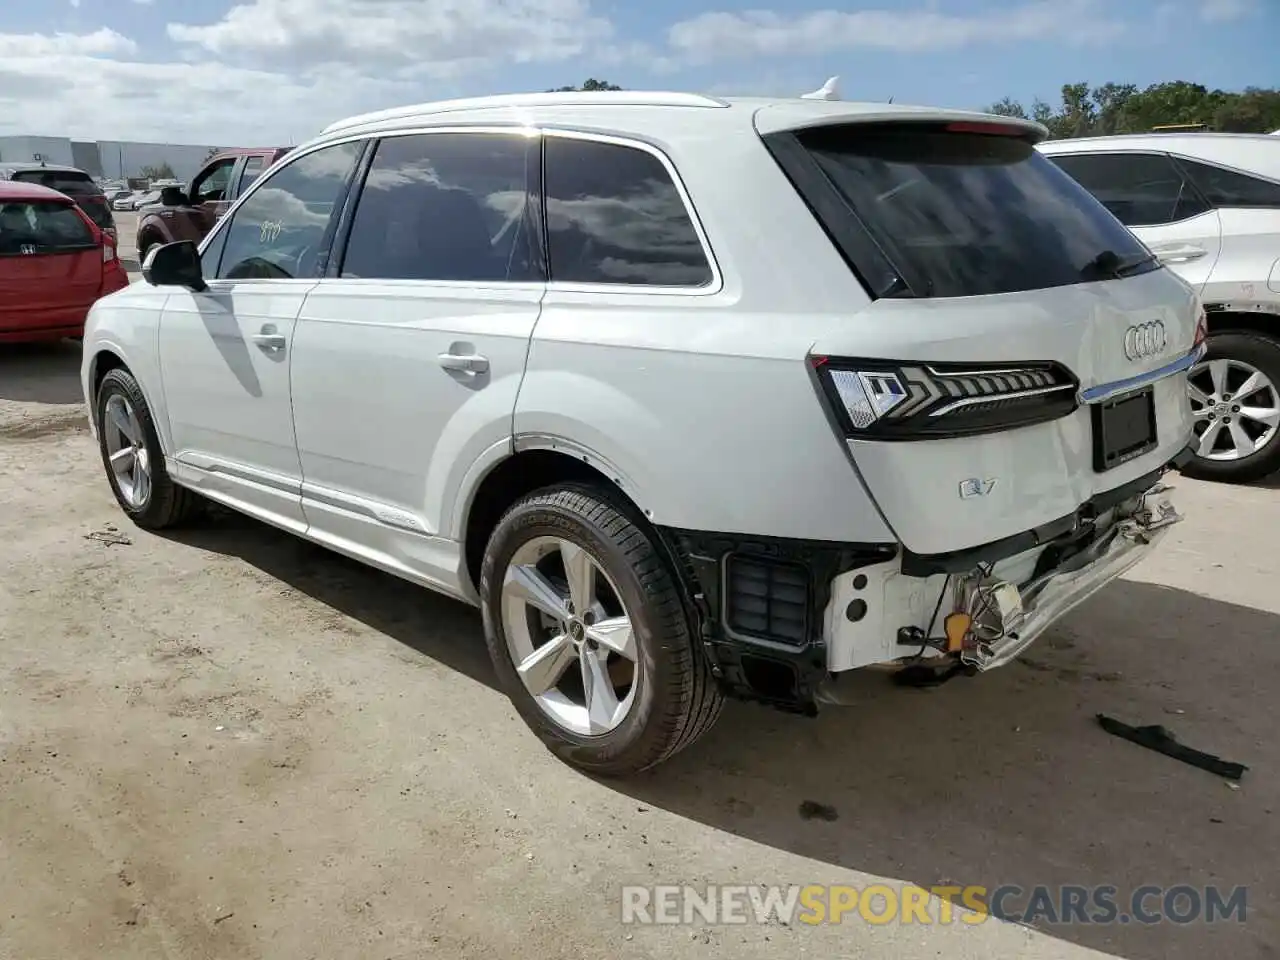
<point>1144,340</point>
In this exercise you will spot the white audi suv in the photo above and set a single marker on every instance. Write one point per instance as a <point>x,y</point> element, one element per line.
<point>694,397</point>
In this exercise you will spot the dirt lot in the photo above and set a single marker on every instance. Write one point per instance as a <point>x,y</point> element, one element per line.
<point>229,744</point>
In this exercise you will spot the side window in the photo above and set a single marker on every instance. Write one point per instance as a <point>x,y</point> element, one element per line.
<point>213,182</point>
<point>1140,189</point>
<point>444,206</point>
<point>253,167</point>
<point>1226,188</point>
<point>615,216</point>
<point>278,232</point>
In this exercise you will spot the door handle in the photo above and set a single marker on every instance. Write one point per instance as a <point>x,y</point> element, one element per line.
<point>471,363</point>
<point>268,340</point>
<point>1179,254</point>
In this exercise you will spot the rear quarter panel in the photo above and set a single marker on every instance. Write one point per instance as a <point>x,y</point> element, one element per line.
<point>1249,259</point>
<point>701,405</point>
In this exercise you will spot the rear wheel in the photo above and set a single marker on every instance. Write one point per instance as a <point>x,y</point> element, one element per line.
<point>589,636</point>
<point>132,457</point>
<point>1235,398</point>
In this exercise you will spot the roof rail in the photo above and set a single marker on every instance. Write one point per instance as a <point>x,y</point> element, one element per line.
<point>612,98</point>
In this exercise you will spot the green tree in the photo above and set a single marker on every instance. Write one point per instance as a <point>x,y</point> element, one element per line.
<point>1111,108</point>
<point>592,85</point>
<point>162,172</point>
<point>1008,108</point>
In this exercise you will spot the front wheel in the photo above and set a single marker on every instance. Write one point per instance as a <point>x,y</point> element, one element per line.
<point>132,456</point>
<point>1235,399</point>
<point>589,636</point>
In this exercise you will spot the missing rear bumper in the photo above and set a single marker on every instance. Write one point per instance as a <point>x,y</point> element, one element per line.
<point>1006,619</point>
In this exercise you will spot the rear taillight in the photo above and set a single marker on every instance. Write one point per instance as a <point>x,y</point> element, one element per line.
<point>108,252</point>
<point>879,400</point>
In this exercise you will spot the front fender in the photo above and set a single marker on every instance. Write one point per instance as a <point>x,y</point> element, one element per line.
<point>153,223</point>
<point>127,324</point>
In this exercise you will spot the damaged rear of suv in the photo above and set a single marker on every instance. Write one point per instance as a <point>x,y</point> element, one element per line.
<point>920,406</point>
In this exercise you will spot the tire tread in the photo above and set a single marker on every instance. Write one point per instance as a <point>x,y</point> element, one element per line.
<point>692,700</point>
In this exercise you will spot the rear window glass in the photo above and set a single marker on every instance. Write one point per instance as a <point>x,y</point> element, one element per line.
<point>34,227</point>
<point>1226,188</point>
<point>70,182</point>
<point>968,214</point>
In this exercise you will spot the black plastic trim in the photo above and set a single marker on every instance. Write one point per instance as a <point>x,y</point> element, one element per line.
<point>738,662</point>
<point>837,219</point>
<point>340,226</point>
<point>1061,530</point>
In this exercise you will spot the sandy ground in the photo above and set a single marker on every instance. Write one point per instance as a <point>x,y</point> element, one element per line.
<point>226,743</point>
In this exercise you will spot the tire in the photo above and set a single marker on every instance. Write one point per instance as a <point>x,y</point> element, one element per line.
<point>673,697</point>
<point>1262,353</point>
<point>165,504</point>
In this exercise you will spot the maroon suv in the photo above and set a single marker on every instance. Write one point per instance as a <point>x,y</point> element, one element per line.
<point>190,214</point>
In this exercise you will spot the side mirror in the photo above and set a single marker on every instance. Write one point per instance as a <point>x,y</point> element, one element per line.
<point>175,265</point>
<point>173,197</point>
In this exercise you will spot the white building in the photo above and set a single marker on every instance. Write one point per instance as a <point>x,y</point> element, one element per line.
<point>112,159</point>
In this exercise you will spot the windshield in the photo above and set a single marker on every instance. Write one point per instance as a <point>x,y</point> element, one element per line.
<point>961,214</point>
<point>41,226</point>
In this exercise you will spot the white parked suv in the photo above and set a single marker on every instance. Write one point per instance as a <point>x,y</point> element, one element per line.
<point>1208,205</point>
<point>693,397</point>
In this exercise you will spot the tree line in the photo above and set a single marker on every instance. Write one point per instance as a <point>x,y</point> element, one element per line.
<point>1124,108</point>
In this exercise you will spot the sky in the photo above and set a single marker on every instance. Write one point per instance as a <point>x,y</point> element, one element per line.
<point>239,72</point>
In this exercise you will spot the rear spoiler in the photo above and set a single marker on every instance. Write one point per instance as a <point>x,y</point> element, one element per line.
<point>805,113</point>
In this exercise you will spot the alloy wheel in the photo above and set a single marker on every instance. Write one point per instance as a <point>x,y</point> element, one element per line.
<point>1236,409</point>
<point>127,451</point>
<point>570,636</point>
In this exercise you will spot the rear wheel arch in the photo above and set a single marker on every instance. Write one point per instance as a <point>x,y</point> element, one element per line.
<point>1261,320</point>
<point>517,476</point>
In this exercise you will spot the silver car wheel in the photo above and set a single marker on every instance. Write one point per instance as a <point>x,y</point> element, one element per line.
<point>570,636</point>
<point>1236,409</point>
<point>127,451</point>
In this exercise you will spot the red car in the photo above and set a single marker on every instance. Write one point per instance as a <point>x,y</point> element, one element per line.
<point>54,263</point>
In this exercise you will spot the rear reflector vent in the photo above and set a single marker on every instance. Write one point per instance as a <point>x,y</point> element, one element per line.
<point>767,599</point>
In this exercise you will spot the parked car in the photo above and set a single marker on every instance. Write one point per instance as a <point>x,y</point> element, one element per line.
<point>77,184</point>
<point>536,353</point>
<point>1208,205</point>
<point>191,213</point>
<point>54,263</point>
<point>151,198</point>
<point>126,201</point>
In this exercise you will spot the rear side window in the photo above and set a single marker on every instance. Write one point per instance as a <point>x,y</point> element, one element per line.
<point>444,206</point>
<point>1227,188</point>
<point>959,214</point>
<point>614,216</point>
<point>36,227</point>
<point>280,232</point>
<point>1140,189</point>
<point>71,182</point>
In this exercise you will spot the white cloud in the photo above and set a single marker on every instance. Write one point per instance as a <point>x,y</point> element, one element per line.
<point>721,35</point>
<point>104,42</point>
<point>1223,11</point>
<point>84,85</point>
<point>412,37</point>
